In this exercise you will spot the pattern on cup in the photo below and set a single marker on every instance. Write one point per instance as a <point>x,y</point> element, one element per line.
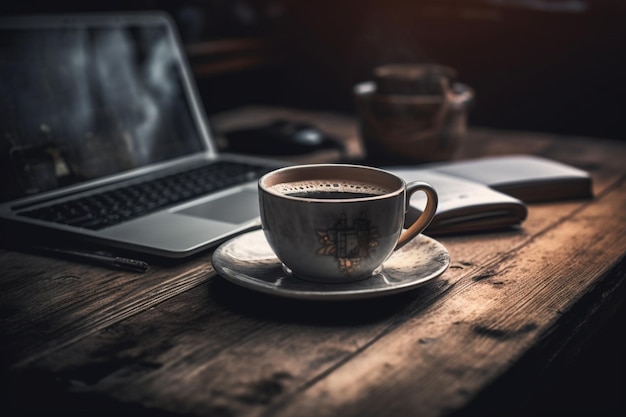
<point>348,242</point>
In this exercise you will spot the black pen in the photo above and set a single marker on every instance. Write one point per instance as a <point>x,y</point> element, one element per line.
<point>99,258</point>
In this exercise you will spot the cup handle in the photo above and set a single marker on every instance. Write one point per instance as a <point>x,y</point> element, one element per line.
<point>432,200</point>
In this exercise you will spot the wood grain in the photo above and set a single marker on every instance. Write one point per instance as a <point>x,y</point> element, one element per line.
<point>180,340</point>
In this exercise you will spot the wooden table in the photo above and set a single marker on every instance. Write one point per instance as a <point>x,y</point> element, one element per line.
<point>180,340</point>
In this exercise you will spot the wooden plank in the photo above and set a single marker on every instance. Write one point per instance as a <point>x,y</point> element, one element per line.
<point>219,348</point>
<point>49,303</point>
<point>227,46</point>
<point>478,142</point>
<point>439,360</point>
<point>181,340</point>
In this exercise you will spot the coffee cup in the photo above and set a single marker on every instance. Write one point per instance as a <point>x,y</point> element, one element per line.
<point>338,222</point>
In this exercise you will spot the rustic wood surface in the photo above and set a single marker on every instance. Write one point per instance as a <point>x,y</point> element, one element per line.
<point>180,340</point>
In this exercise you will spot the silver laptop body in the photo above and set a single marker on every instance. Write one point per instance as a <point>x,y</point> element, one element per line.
<point>94,103</point>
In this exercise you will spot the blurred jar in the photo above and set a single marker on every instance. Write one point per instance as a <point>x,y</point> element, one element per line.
<point>414,112</point>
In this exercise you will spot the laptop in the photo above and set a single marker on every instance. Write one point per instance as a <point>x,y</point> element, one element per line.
<point>103,139</point>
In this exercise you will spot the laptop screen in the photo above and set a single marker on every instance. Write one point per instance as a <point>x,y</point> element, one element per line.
<point>79,103</point>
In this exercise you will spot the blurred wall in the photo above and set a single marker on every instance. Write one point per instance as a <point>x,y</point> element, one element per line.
<point>547,65</point>
<point>550,65</point>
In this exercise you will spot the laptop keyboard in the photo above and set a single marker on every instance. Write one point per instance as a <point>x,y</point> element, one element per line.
<point>109,208</point>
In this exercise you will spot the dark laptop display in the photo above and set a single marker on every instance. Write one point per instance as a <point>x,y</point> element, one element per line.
<point>80,103</point>
<point>103,138</point>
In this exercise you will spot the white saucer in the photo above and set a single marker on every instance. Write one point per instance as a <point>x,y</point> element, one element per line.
<point>247,260</point>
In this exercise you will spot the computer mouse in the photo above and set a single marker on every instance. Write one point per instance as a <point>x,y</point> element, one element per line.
<point>280,137</point>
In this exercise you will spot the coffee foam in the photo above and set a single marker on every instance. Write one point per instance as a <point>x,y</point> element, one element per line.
<point>338,186</point>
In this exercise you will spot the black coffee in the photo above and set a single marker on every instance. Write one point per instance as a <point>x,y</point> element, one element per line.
<point>329,189</point>
<point>330,194</point>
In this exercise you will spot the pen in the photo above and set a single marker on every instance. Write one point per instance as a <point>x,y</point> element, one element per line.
<point>99,258</point>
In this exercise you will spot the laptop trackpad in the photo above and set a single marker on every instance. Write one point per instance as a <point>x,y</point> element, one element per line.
<point>234,208</point>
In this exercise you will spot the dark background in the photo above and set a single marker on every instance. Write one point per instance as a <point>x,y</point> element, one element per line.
<point>543,65</point>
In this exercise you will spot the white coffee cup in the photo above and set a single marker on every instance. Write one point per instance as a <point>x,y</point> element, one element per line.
<point>338,222</point>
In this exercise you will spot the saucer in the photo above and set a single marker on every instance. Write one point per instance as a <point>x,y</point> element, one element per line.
<point>247,260</point>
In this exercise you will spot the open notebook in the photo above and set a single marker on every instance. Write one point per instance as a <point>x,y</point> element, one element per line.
<point>493,192</point>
